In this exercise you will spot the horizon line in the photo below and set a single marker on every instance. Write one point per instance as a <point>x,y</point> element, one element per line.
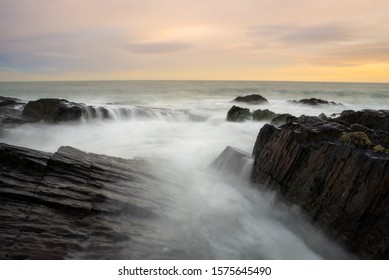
<point>194,80</point>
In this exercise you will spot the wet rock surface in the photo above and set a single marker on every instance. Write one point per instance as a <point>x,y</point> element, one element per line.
<point>77,205</point>
<point>238,114</point>
<point>337,171</point>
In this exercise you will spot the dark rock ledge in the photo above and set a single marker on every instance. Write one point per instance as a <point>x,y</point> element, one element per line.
<point>15,112</point>
<point>76,205</point>
<point>337,171</point>
<point>315,102</point>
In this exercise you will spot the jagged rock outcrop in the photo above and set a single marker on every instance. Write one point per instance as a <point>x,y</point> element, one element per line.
<point>77,205</point>
<point>337,171</point>
<point>314,102</point>
<point>252,99</point>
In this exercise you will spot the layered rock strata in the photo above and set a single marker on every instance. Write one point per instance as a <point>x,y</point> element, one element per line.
<point>337,171</point>
<point>77,205</point>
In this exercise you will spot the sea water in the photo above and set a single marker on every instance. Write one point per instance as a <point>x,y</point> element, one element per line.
<point>184,123</point>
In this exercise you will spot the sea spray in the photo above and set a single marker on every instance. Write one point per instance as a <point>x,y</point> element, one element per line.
<point>220,218</point>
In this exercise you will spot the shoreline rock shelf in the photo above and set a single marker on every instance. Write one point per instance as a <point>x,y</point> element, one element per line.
<point>342,184</point>
<point>77,205</point>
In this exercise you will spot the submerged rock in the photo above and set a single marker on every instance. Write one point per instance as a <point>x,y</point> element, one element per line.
<point>252,98</point>
<point>238,114</point>
<point>338,176</point>
<point>315,102</point>
<point>77,205</point>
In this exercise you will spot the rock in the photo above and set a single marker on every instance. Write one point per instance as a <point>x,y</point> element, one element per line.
<point>358,138</point>
<point>336,175</point>
<point>53,110</point>
<point>252,98</point>
<point>315,102</point>
<point>323,117</point>
<point>261,115</point>
<point>11,112</point>
<point>15,112</point>
<point>233,162</point>
<point>238,114</point>
<point>281,119</point>
<point>77,205</point>
<point>10,102</point>
<point>372,119</point>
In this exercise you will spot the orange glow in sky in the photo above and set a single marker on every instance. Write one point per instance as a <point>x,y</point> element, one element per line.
<point>299,40</point>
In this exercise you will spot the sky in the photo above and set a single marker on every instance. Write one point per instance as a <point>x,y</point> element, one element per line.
<point>283,40</point>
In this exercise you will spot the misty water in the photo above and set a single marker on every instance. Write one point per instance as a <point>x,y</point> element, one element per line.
<point>183,124</point>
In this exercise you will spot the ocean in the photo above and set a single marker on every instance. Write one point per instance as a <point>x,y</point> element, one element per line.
<point>183,125</point>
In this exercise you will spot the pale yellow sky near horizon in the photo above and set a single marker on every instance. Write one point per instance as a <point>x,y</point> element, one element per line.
<point>297,40</point>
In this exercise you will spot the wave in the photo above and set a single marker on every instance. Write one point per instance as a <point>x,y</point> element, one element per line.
<point>123,113</point>
<point>138,113</point>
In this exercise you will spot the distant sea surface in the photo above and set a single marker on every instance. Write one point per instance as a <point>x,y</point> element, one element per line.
<point>185,124</point>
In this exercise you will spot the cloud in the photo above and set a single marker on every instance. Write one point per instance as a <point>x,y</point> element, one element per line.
<point>6,69</point>
<point>3,59</point>
<point>284,35</point>
<point>331,44</point>
<point>158,47</point>
<point>68,51</point>
<point>55,54</point>
<point>174,37</point>
<point>357,54</point>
